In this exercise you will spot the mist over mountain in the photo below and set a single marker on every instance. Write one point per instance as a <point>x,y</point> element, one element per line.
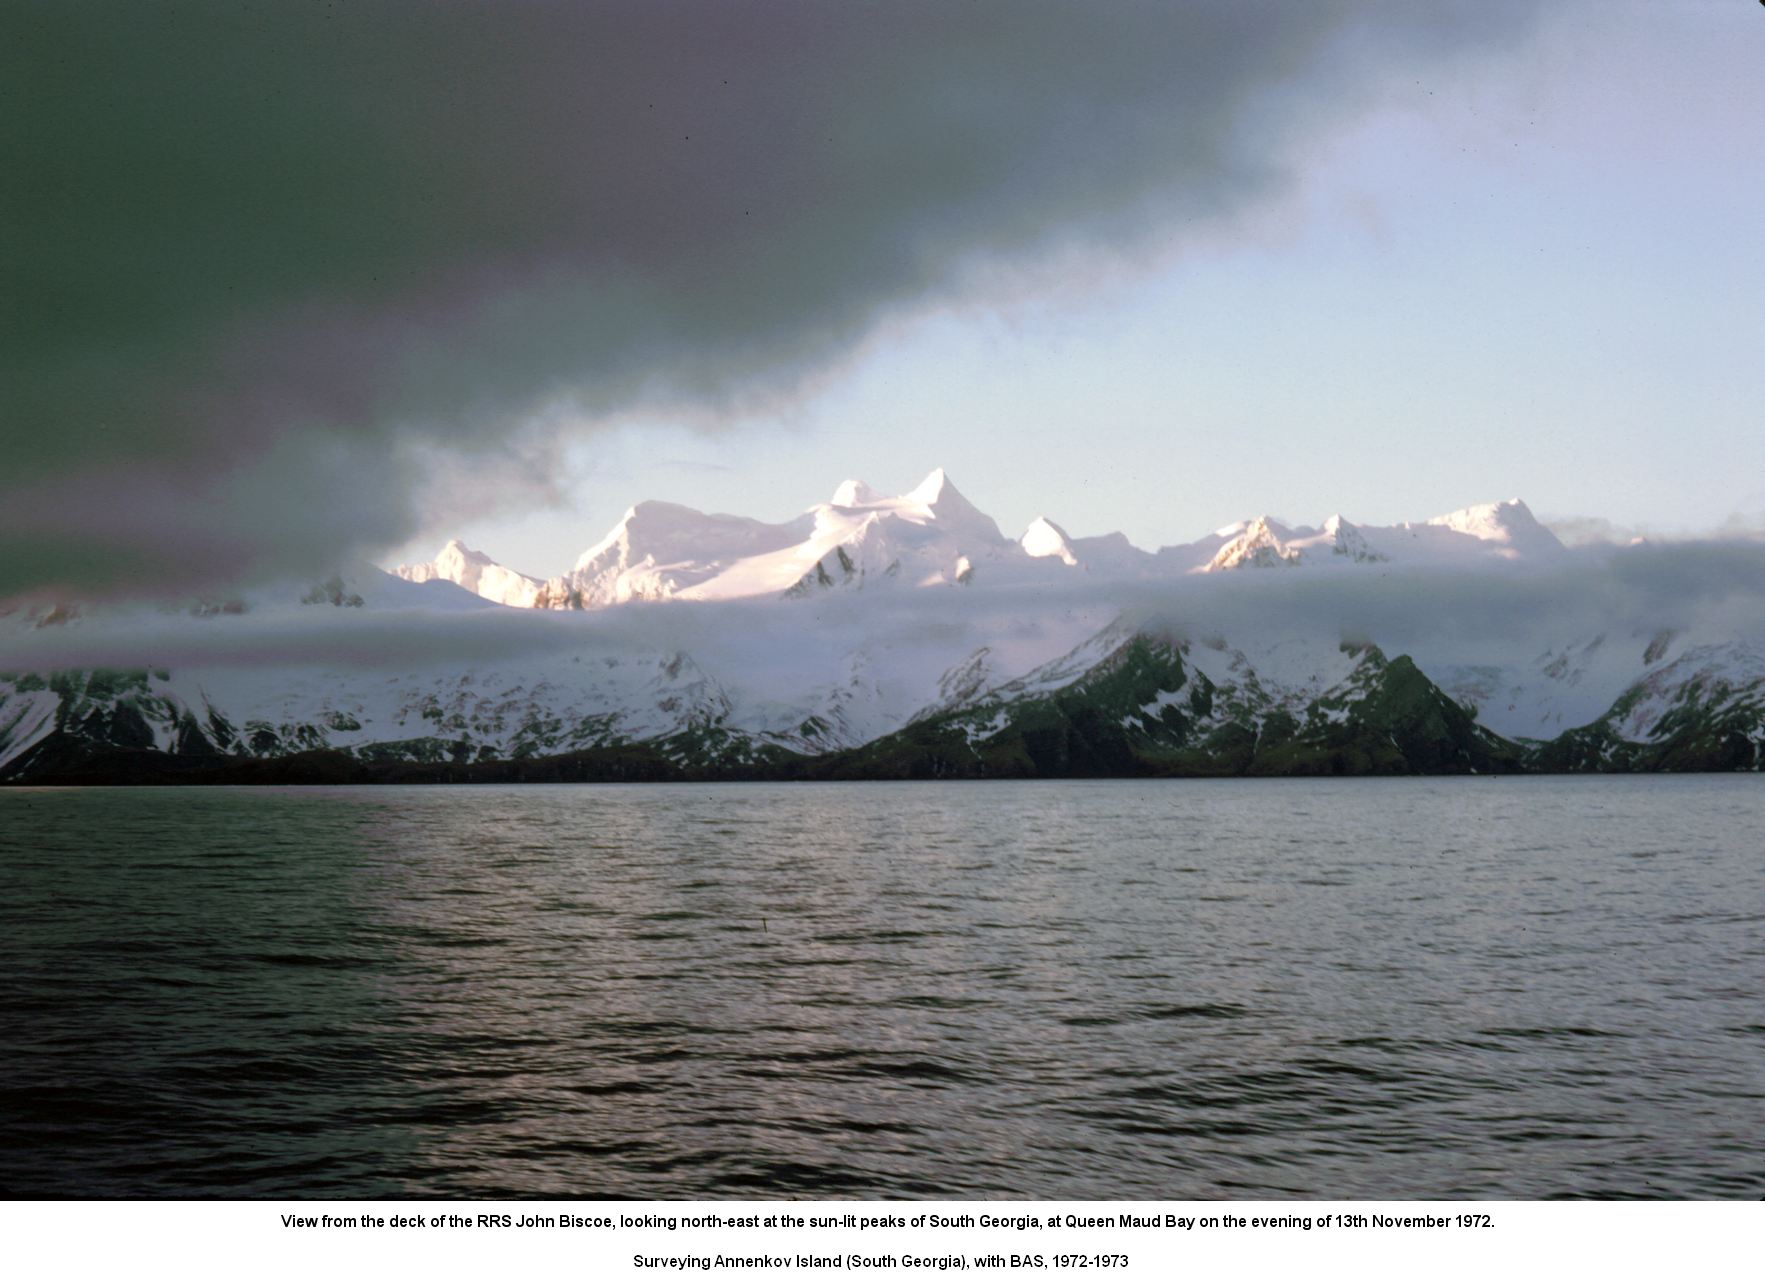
<point>906,635</point>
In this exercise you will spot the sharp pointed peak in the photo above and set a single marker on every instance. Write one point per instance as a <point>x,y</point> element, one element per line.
<point>936,486</point>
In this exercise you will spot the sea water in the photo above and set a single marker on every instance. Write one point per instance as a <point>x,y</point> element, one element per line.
<point>1513,988</point>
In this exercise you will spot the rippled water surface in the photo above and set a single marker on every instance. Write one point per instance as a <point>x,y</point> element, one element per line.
<point>1398,988</point>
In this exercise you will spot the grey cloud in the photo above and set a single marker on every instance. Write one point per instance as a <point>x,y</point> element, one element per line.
<point>1641,589</point>
<point>262,259</point>
<point>322,637</point>
<point>1743,526</point>
<point>1580,531</point>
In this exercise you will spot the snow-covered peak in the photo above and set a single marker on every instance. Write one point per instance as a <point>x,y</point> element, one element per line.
<point>929,491</point>
<point>852,493</point>
<point>1346,540</point>
<point>659,550</point>
<point>652,520</point>
<point>663,534</point>
<point>1045,539</point>
<point>1467,538</point>
<point>1509,523</point>
<point>1111,554</point>
<point>933,536</point>
<point>455,550</point>
<point>934,502</point>
<point>619,531</point>
<point>1260,543</point>
<point>476,573</point>
<point>939,496</point>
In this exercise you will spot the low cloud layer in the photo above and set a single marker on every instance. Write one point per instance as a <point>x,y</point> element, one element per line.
<point>1714,590</point>
<point>265,262</point>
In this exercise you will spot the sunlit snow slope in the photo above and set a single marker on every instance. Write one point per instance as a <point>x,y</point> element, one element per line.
<point>906,636</point>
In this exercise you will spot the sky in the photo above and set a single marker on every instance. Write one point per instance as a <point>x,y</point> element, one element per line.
<point>291,284</point>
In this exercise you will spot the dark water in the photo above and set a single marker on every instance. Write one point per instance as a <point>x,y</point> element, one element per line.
<point>1514,988</point>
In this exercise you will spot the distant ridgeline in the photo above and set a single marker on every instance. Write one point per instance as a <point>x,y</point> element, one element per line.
<point>1143,708</point>
<point>906,637</point>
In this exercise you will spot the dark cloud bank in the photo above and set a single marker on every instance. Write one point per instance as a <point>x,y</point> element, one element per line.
<point>261,258</point>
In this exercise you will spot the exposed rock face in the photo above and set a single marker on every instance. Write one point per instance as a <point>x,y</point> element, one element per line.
<point>1127,703</point>
<point>917,641</point>
<point>1259,545</point>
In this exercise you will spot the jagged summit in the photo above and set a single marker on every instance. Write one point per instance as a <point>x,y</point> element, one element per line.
<point>938,495</point>
<point>1260,543</point>
<point>885,660</point>
<point>932,536</point>
<point>929,491</point>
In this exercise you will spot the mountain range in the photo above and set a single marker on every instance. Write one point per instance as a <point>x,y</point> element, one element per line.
<point>906,636</point>
<point>932,535</point>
